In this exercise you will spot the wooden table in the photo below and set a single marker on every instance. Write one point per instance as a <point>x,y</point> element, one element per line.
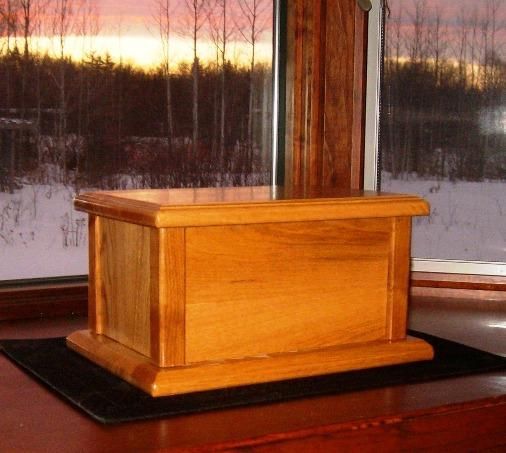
<point>463,414</point>
<point>197,289</point>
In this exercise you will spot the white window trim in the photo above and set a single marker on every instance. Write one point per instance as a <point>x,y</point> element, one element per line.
<point>372,151</point>
<point>275,94</point>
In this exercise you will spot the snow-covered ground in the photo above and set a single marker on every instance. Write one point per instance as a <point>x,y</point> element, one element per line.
<point>40,233</point>
<point>42,236</point>
<point>467,221</point>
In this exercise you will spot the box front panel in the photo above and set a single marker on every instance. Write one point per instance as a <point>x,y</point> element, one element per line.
<point>262,289</point>
<point>125,283</point>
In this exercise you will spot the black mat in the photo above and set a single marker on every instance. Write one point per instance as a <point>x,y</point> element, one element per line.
<point>109,399</point>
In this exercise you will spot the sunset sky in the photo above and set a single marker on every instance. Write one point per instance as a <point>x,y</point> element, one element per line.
<point>128,30</point>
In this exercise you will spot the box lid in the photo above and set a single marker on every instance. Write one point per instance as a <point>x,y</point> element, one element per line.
<point>163,208</point>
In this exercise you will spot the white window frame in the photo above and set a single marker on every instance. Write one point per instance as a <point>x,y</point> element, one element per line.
<point>374,60</point>
<point>275,92</point>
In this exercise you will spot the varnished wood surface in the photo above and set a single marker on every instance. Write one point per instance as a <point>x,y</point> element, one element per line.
<point>43,300</point>
<point>325,80</point>
<point>459,281</point>
<point>339,100</point>
<point>461,414</point>
<point>245,205</point>
<point>96,307</point>
<point>477,323</point>
<point>209,375</point>
<point>222,274</point>
<point>285,287</point>
<point>168,296</point>
<point>125,283</point>
<point>398,277</point>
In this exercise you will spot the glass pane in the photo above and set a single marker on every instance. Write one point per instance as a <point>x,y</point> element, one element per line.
<point>443,124</point>
<point>110,94</point>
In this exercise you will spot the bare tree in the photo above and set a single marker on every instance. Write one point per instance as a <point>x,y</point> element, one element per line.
<point>26,9</point>
<point>31,12</point>
<point>3,21</point>
<point>163,20</point>
<point>11,14</point>
<point>254,18</point>
<point>221,32</point>
<point>492,26</point>
<point>194,22</point>
<point>87,28</point>
<point>26,25</point>
<point>492,67</point>
<point>418,40</point>
<point>437,44</point>
<point>393,53</point>
<point>64,14</point>
<point>473,45</point>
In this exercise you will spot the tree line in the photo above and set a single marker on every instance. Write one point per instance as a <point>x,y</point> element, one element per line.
<point>444,92</point>
<point>96,117</point>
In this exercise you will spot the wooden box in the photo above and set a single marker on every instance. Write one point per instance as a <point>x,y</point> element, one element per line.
<point>197,289</point>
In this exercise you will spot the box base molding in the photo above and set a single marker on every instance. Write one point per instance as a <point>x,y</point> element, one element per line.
<point>139,371</point>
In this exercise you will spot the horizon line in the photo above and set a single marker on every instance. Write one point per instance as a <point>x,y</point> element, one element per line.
<point>142,51</point>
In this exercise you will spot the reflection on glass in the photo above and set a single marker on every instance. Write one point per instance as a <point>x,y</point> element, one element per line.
<point>444,123</point>
<point>110,94</point>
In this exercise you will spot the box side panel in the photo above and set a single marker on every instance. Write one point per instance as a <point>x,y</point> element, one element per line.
<point>262,289</point>
<point>125,268</point>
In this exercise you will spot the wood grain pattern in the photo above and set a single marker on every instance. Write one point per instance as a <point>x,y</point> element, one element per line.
<point>95,302</point>
<point>398,278</point>
<point>230,274</point>
<point>167,274</point>
<point>285,287</point>
<point>339,76</point>
<point>315,95</point>
<point>139,370</point>
<point>458,281</point>
<point>295,97</point>
<point>124,261</point>
<point>239,205</point>
<point>326,92</point>
<point>43,300</point>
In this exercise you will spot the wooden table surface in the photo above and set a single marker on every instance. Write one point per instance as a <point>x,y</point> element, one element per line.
<point>459,414</point>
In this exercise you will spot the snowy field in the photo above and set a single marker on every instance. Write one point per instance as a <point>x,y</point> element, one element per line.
<point>467,221</point>
<point>41,235</point>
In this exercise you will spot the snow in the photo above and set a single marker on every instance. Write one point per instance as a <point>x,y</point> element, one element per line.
<point>41,235</point>
<point>467,221</point>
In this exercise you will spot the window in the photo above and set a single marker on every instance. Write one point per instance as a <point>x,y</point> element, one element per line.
<point>123,94</point>
<point>442,126</point>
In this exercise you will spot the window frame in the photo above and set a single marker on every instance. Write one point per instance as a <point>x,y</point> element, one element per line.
<point>372,153</point>
<point>305,157</point>
<point>7,286</point>
<point>316,147</point>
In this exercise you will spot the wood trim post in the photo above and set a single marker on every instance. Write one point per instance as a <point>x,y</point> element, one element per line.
<point>325,94</point>
<point>167,288</point>
<point>96,312</point>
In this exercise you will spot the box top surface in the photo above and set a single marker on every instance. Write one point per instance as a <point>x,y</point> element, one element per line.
<point>242,205</point>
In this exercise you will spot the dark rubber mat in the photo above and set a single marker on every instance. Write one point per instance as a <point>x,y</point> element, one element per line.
<point>109,399</point>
